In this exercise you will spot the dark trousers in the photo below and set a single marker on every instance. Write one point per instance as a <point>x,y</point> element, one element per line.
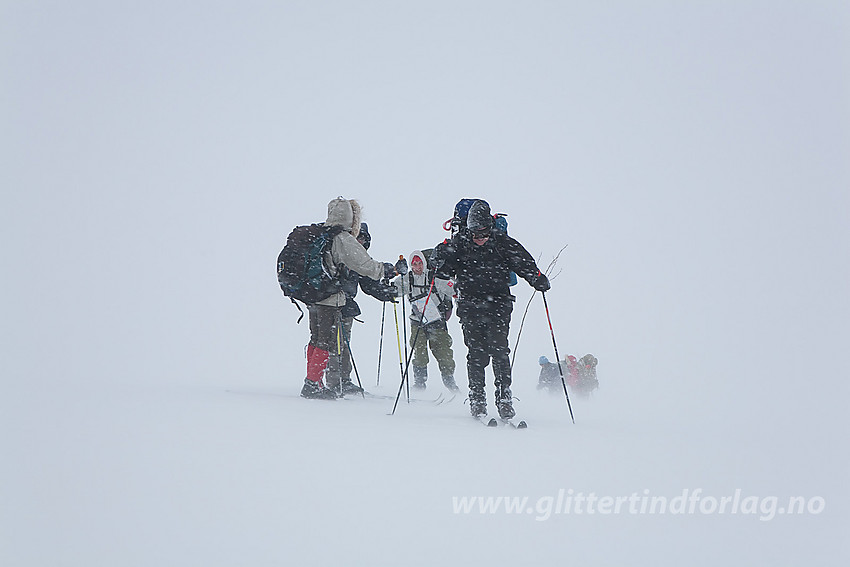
<point>485,332</point>
<point>339,363</point>
<point>323,324</point>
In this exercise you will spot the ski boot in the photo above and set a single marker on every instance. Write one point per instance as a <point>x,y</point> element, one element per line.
<point>316,391</point>
<point>505,403</point>
<point>420,375</point>
<point>349,387</point>
<point>477,403</point>
<point>449,382</point>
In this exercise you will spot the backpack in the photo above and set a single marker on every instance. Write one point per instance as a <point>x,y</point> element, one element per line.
<point>458,223</point>
<point>300,270</point>
<point>587,372</point>
<point>501,224</point>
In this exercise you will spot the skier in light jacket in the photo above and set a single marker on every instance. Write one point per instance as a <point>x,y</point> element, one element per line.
<point>428,329</point>
<point>338,372</point>
<point>326,315</point>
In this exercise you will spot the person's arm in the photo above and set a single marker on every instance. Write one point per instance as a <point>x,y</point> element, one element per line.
<point>522,263</point>
<point>444,288</point>
<point>348,252</point>
<point>444,259</point>
<point>377,289</point>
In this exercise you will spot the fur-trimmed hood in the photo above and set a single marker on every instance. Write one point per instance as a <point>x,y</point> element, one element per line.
<point>345,213</point>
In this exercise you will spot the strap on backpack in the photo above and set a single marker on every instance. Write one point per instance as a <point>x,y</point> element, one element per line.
<point>295,303</point>
<point>421,295</point>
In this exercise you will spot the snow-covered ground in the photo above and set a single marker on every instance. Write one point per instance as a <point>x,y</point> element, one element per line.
<point>692,157</point>
<point>247,473</point>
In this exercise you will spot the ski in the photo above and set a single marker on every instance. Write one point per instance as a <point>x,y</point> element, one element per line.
<point>444,400</point>
<point>482,419</point>
<point>494,422</point>
<point>519,425</point>
<point>436,401</point>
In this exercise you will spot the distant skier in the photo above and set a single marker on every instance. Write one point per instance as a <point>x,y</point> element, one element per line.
<point>480,261</point>
<point>338,374</point>
<point>587,380</point>
<point>550,376</point>
<point>433,332</point>
<point>571,371</point>
<point>580,376</point>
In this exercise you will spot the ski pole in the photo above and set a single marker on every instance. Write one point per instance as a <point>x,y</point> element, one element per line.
<point>521,325</point>
<point>527,305</point>
<point>353,364</point>
<point>400,361</point>
<point>404,374</point>
<point>381,342</point>
<point>339,349</point>
<point>557,357</point>
<point>402,263</point>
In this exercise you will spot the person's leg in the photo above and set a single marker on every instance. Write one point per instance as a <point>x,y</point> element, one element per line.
<point>441,347</point>
<point>477,359</point>
<point>419,344</point>
<point>347,386</point>
<point>500,320</point>
<point>322,325</point>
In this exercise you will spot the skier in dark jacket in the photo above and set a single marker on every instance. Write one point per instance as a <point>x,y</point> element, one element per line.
<point>480,261</point>
<point>550,374</point>
<point>338,373</point>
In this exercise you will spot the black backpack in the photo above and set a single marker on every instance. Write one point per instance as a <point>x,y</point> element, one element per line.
<point>300,270</point>
<point>458,222</point>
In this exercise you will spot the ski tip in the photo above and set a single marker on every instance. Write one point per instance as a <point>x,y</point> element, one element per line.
<point>492,422</point>
<point>522,425</point>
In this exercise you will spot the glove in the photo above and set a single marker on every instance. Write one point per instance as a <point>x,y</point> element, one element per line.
<point>389,270</point>
<point>401,265</point>
<point>541,283</point>
<point>448,314</point>
<point>387,294</point>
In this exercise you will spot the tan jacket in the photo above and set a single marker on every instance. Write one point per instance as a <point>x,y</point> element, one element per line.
<point>345,250</point>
